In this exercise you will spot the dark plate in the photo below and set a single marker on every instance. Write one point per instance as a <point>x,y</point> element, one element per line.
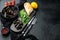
<point>31,16</point>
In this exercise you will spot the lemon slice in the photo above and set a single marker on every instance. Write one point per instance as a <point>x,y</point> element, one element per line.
<point>34,5</point>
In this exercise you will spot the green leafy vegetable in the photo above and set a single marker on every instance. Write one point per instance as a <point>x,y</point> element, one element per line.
<point>24,17</point>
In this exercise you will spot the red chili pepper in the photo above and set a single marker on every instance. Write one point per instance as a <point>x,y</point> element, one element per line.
<point>5,4</point>
<point>13,2</point>
<point>9,3</point>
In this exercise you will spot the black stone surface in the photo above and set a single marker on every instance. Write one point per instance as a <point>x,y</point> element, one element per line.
<point>45,28</point>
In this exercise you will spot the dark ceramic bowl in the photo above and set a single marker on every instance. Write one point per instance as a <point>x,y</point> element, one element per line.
<point>10,12</point>
<point>5,31</point>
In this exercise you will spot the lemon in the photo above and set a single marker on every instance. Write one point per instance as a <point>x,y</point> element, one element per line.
<point>34,5</point>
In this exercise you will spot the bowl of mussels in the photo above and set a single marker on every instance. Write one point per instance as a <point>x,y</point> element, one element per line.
<point>9,12</point>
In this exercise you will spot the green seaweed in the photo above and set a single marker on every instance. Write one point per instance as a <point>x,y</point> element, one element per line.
<point>24,17</point>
